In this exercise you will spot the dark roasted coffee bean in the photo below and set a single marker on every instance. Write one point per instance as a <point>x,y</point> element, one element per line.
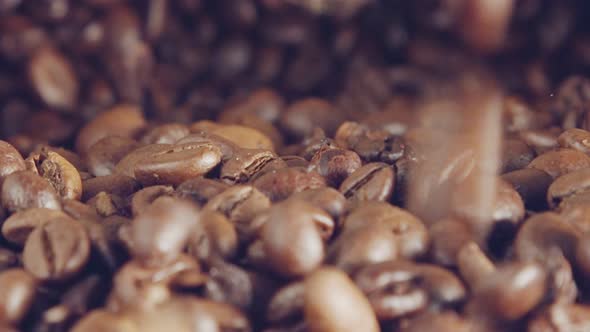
<point>108,204</point>
<point>244,137</point>
<point>160,232</point>
<point>280,184</point>
<point>372,182</point>
<point>327,312</point>
<point>230,284</point>
<point>287,303</point>
<point>10,160</point>
<point>18,289</point>
<point>263,103</point>
<point>176,164</point>
<point>25,189</point>
<point>300,118</point>
<point>227,147</point>
<point>57,250</point>
<point>103,155</point>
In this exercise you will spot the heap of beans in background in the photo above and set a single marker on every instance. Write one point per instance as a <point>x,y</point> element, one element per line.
<point>242,165</point>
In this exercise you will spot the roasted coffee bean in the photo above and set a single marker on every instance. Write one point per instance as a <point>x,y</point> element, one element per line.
<point>54,79</point>
<point>160,232</point>
<point>325,198</point>
<point>300,118</point>
<point>516,154</point>
<point>24,189</point>
<point>531,184</point>
<point>121,120</point>
<point>59,172</point>
<point>108,204</point>
<point>217,237</point>
<point>510,292</point>
<point>372,182</point>
<point>227,147</point>
<point>176,164</point>
<point>230,284</point>
<point>542,141</point>
<point>568,185</point>
<point>560,162</point>
<point>327,312</point>
<point>19,225</point>
<point>287,303</point>
<point>411,235</point>
<point>280,184</point>
<point>416,284</point>
<point>103,155</point>
<point>10,160</point>
<point>448,237</point>
<point>447,321</point>
<point>244,137</point>
<point>56,250</point>
<point>103,320</point>
<point>245,164</point>
<point>240,204</point>
<point>334,164</point>
<point>291,239</point>
<point>117,184</point>
<point>263,103</point>
<point>143,198</point>
<point>473,264</point>
<point>18,290</point>
<point>166,134</point>
<point>200,190</point>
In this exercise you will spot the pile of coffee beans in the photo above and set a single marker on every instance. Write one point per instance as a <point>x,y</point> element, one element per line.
<point>294,165</point>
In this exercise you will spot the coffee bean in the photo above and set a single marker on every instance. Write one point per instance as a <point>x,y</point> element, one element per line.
<point>103,155</point>
<point>229,284</point>
<point>240,204</point>
<point>244,137</point>
<point>325,198</point>
<point>300,118</point>
<point>200,190</point>
<point>8,259</point>
<point>143,198</point>
<point>327,312</point>
<point>541,141</point>
<point>280,184</point>
<point>287,303</point>
<point>59,172</point>
<point>334,164</point>
<point>568,185</point>
<point>372,182</point>
<point>447,321</point>
<point>24,189</point>
<point>165,134</point>
<point>10,160</point>
<point>18,294</point>
<point>516,154</point>
<point>176,164</point>
<point>263,103</point>
<point>54,79</point>
<point>160,232</point>
<point>216,238</point>
<point>19,225</point>
<point>292,240</point>
<point>117,184</point>
<point>108,204</point>
<point>56,250</point>
<point>102,320</point>
<point>560,162</point>
<point>448,237</point>
<point>121,120</point>
<point>227,147</point>
<point>245,164</point>
<point>531,184</point>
